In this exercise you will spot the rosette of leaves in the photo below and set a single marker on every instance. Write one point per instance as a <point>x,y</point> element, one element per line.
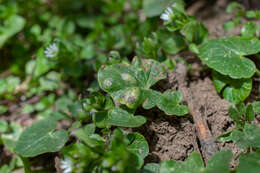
<point>129,85</point>
<point>245,134</point>
<point>228,55</point>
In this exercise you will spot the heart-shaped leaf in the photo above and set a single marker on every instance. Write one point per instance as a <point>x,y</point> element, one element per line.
<point>234,90</point>
<point>41,138</point>
<point>227,55</point>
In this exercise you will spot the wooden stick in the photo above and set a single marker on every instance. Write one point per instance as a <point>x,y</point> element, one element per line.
<point>207,142</point>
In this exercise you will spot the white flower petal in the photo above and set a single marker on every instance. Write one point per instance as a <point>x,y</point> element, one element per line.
<point>51,51</point>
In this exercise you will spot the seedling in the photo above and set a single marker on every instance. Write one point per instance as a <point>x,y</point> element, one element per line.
<point>245,134</point>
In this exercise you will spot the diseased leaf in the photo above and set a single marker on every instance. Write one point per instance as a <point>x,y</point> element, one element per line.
<point>126,83</point>
<point>227,55</point>
<point>41,138</point>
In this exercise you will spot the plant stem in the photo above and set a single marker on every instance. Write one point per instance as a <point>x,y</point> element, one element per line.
<point>257,72</point>
<point>26,165</point>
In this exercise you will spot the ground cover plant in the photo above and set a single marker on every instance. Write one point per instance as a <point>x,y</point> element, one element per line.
<point>129,86</point>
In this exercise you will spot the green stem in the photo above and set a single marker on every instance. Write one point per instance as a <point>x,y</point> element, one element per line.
<point>26,165</point>
<point>257,72</point>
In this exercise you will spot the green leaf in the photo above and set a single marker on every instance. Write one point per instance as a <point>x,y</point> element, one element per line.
<point>250,29</point>
<point>12,26</point>
<point>41,138</point>
<point>233,6</point>
<point>152,98</point>
<point>250,114</point>
<point>249,163</point>
<point>3,109</point>
<point>219,162</point>
<point>249,137</point>
<point>138,144</point>
<point>229,25</point>
<point>170,43</point>
<point>3,126</point>
<point>194,164</point>
<point>43,65</point>
<point>150,168</point>
<point>256,107</point>
<point>253,14</point>
<point>234,90</point>
<point>241,114</point>
<point>117,117</point>
<point>227,55</point>
<point>120,117</point>
<point>169,103</point>
<point>156,7</point>
<point>10,139</point>
<point>195,32</point>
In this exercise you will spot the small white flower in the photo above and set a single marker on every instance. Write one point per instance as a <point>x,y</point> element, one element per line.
<point>66,165</point>
<point>166,15</point>
<point>51,51</point>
